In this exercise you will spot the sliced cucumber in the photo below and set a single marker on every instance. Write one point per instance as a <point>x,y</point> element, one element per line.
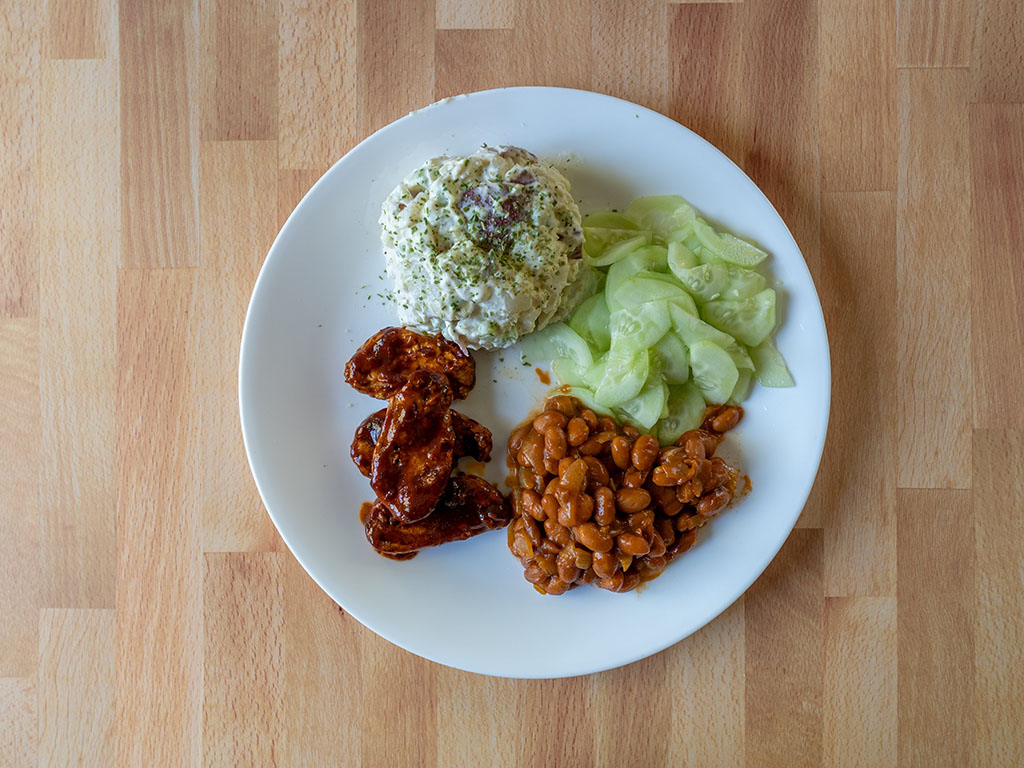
<point>621,250</point>
<point>739,356</point>
<point>645,287</point>
<point>558,340</point>
<point>742,388</point>
<point>678,297</point>
<point>680,257</point>
<point>586,396</point>
<point>592,282</point>
<point>608,220</point>
<point>672,358</point>
<point>592,378</point>
<point>625,374</point>
<point>727,247</point>
<point>685,412</point>
<point>681,319</point>
<point>692,329</point>
<point>569,372</point>
<point>661,213</point>
<point>679,235</point>
<point>644,410</point>
<point>686,304</point>
<point>769,366</point>
<point>714,372</point>
<point>749,320</point>
<point>651,258</point>
<point>596,240</point>
<point>718,280</point>
<point>639,326</point>
<point>590,321</point>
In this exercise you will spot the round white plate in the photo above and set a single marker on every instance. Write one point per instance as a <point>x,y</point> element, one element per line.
<point>466,604</point>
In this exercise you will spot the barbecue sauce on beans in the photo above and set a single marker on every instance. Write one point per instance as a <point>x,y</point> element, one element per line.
<point>597,502</point>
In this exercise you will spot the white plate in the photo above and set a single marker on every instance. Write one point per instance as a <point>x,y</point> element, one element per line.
<point>466,604</point>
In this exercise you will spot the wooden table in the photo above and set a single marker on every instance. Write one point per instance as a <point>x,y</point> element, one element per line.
<point>150,615</point>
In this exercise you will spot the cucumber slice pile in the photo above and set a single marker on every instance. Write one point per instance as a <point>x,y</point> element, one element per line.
<point>683,320</point>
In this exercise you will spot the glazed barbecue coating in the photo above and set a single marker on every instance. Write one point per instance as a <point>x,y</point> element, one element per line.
<point>414,453</point>
<point>383,364</point>
<point>470,505</point>
<point>472,439</point>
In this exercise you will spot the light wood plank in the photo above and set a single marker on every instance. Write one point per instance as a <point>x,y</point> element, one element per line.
<point>857,45</point>
<point>783,654</point>
<point>859,715</point>
<point>238,42</point>
<point>321,664</point>
<point>238,202</point>
<point>81,29</point>
<point>466,61</point>
<point>557,723</point>
<point>705,680</point>
<point>778,130</point>
<point>390,86</point>
<point>317,121</point>
<point>79,243</point>
<point>999,51</point>
<point>633,42</point>
<point>998,508</point>
<point>243,654</point>
<point>550,52</point>
<point>19,497</point>
<point>399,709</point>
<point>857,479</point>
<point>292,185</point>
<point>997,270</point>
<point>777,133</point>
<point>487,705</point>
<point>159,597</point>
<point>18,722</point>
<point>630,704</point>
<point>933,337</point>
<point>935,33</point>
<point>76,687</point>
<point>20,33</point>
<point>936,592</point>
<point>474,14</point>
<point>705,55</point>
<point>159,133</point>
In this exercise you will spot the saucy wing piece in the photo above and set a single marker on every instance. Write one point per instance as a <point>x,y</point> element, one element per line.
<point>412,460</point>
<point>472,439</point>
<point>365,440</point>
<point>383,364</point>
<point>470,505</point>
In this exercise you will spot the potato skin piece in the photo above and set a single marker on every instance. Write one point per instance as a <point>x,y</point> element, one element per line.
<point>469,505</point>
<point>413,458</point>
<point>385,361</point>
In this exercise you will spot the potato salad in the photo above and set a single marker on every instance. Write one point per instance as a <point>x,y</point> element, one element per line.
<point>484,248</point>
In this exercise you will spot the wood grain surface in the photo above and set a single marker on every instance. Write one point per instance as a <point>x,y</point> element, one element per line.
<point>151,616</point>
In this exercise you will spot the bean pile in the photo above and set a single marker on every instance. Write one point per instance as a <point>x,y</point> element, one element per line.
<point>599,503</point>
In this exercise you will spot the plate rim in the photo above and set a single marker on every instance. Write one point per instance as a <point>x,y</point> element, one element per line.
<point>646,651</point>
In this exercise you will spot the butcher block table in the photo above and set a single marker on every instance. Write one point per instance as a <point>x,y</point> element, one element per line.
<point>151,616</point>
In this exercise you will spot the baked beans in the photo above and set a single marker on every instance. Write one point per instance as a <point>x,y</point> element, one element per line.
<point>577,432</point>
<point>600,503</point>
